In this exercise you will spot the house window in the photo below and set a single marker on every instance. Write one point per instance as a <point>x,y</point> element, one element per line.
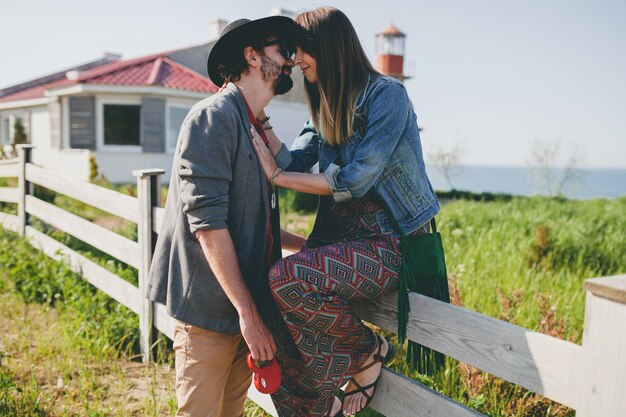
<point>121,124</point>
<point>176,116</point>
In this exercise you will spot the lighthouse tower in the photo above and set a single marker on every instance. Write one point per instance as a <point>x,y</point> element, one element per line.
<point>390,52</point>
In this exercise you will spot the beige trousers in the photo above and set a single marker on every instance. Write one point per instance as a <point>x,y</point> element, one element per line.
<point>212,378</point>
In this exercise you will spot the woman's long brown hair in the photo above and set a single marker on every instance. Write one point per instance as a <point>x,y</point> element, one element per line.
<point>342,71</point>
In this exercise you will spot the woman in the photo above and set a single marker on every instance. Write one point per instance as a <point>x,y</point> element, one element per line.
<point>373,188</point>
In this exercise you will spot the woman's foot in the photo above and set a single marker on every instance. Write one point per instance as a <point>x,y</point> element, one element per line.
<point>335,411</point>
<point>356,397</point>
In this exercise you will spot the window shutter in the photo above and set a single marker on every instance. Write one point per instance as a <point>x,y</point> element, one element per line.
<point>54,109</point>
<point>82,123</point>
<point>153,124</point>
<point>5,138</point>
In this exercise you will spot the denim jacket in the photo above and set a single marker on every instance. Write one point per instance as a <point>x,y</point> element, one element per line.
<point>383,154</point>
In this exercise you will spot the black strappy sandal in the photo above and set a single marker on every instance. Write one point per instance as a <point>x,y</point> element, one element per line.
<point>377,358</point>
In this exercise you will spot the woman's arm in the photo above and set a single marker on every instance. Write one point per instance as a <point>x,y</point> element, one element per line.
<point>274,143</point>
<point>291,241</point>
<point>304,150</point>
<point>303,182</point>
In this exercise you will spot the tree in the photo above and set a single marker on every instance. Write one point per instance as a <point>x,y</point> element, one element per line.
<point>447,161</point>
<point>93,168</point>
<point>555,168</point>
<point>19,137</point>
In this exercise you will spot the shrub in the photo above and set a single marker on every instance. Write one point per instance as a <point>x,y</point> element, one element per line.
<point>294,201</point>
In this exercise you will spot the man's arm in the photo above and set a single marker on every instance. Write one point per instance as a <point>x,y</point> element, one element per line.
<point>219,250</point>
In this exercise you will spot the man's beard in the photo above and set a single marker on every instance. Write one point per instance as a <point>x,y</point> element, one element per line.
<point>271,70</point>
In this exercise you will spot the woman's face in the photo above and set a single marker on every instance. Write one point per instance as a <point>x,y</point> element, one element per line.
<point>307,64</point>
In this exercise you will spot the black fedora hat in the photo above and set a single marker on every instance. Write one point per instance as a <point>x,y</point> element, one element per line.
<point>239,33</point>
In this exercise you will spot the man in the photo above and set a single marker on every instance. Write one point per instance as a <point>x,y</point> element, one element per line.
<point>214,250</point>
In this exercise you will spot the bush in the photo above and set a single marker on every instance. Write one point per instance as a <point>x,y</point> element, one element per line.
<point>468,195</point>
<point>294,201</point>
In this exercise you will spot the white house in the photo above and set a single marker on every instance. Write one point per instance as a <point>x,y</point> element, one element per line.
<point>126,113</point>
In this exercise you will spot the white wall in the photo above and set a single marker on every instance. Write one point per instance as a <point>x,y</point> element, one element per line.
<point>71,162</point>
<point>40,127</point>
<point>118,166</point>
<point>287,119</point>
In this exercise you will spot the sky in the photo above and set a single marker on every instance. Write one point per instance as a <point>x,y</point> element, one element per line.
<point>494,79</point>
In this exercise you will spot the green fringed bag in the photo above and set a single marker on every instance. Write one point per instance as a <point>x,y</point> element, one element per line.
<point>423,271</point>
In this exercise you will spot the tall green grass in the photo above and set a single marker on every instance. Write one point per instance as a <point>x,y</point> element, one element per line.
<point>73,344</point>
<point>523,260</point>
<point>100,324</point>
<point>519,251</point>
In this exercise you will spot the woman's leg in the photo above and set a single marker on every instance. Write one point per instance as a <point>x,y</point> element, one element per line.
<point>314,289</point>
<point>299,394</point>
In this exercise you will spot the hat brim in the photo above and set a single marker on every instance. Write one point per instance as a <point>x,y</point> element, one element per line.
<point>235,40</point>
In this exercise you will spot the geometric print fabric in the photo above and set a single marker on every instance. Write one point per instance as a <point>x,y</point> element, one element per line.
<point>314,289</point>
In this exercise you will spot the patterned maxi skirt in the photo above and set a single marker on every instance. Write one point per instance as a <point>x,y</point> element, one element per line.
<point>347,258</point>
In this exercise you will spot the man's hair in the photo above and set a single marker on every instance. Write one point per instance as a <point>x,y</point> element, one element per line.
<point>234,63</point>
<point>342,70</point>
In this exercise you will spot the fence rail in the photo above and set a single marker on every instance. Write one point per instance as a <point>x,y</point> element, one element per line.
<point>122,291</point>
<point>9,168</point>
<point>107,200</point>
<point>10,195</point>
<point>9,221</point>
<point>99,237</point>
<point>590,378</point>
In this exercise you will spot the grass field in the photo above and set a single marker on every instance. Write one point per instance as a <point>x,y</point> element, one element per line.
<point>71,350</point>
<point>524,261</point>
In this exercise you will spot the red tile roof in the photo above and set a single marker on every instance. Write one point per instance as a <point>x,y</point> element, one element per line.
<point>32,92</point>
<point>152,70</point>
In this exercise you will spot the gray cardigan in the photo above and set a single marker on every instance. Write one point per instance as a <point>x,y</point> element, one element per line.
<point>216,183</point>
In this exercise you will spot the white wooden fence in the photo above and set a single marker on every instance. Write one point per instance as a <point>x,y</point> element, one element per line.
<point>590,378</point>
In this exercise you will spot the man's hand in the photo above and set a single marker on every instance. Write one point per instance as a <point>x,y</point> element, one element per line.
<point>257,336</point>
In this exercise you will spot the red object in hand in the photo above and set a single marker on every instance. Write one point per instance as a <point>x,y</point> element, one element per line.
<point>266,375</point>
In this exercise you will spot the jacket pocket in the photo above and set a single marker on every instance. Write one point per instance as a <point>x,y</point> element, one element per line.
<point>359,126</point>
<point>401,194</point>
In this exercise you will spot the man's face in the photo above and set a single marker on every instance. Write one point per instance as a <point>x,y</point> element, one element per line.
<point>276,67</point>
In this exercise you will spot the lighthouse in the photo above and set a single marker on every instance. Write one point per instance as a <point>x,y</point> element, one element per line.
<point>390,52</point>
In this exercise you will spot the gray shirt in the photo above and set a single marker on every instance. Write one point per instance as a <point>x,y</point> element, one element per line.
<point>216,183</point>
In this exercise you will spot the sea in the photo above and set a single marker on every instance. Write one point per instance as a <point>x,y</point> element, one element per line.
<point>582,183</point>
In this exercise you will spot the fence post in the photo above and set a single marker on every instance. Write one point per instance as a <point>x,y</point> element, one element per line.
<point>23,187</point>
<point>148,196</point>
<point>603,373</point>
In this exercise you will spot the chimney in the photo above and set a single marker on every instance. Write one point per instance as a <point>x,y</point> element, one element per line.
<point>111,56</point>
<point>279,11</point>
<point>390,52</point>
<point>215,28</point>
